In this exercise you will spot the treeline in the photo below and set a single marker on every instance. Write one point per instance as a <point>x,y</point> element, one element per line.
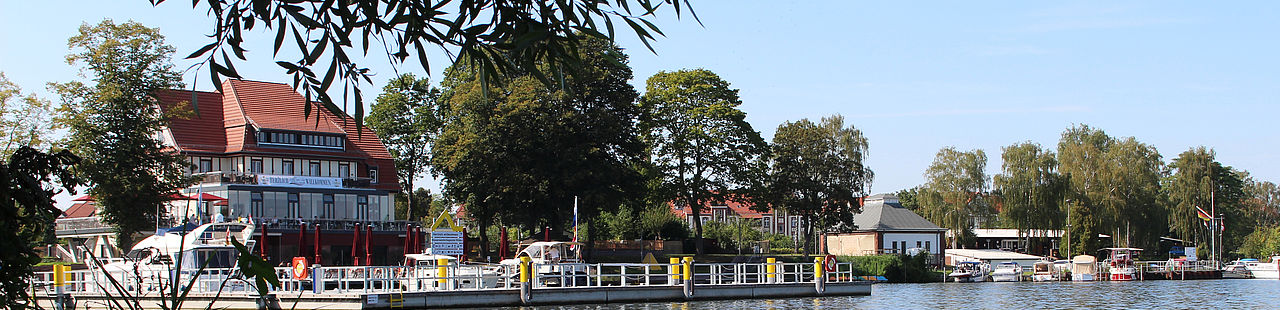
<point>522,152</point>
<point>1096,184</point>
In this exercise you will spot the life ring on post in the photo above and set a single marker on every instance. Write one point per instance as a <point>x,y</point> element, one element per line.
<point>299,268</point>
<point>829,263</point>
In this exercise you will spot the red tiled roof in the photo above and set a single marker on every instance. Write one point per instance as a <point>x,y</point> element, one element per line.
<point>79,210</point>
<point>277,106</point>
<point>202,132</point>
<point>739,209</point>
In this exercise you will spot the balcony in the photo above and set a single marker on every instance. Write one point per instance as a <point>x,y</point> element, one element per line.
<point>293,224</point>
<point>82,226</point>
<point>223,178</point>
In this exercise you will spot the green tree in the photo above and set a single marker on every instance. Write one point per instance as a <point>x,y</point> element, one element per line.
<point>1262,201</point>
<point>1134,199</point>
<point>818,173</point>
<point>954,191</point>
<point>501,39</point>
<point>29,180</point>
<point>909,198</point>
<point>24,120</point>
<point>1030,188</point>
<point>1081,158</point>
<point>407,118</point>
<point>519,154</point>
<point>423,205</point>
<point>114,123</point>
<point>1263,242</point>
<point>1200,181</point>
<point>699,141</point>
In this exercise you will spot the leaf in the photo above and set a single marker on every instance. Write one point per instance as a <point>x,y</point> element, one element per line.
<point>256,267</point>
<point>202,50</point>
<point>280,31</point>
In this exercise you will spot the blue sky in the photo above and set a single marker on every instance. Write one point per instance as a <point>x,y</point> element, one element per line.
<point>913,76</point>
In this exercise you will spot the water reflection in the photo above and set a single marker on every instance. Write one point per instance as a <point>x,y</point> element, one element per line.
<point>1210,294</point>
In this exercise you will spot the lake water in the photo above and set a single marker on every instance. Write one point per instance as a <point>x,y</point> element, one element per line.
<point>1202,294</point>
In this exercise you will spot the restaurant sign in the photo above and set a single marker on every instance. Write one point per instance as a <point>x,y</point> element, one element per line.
<point>299,181</point>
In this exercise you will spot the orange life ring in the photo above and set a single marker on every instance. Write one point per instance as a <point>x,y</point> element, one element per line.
<point>299,268</point>
<point>829,263</point>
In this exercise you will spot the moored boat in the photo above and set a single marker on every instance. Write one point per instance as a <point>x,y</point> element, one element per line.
<point>1007,272</point>
<point>1084,268</point>
<point>969,272</point>
<point>1045,271</point>
<point>1266,270</point>
<point>1120,264</point>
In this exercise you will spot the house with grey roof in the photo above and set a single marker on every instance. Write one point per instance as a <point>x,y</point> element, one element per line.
<point>885,227</point>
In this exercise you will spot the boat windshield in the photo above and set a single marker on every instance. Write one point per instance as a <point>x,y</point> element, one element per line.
<point>139,254</point>
<point>214,257</point>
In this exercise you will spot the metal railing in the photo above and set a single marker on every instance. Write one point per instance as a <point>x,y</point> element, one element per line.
<point>81,225</point>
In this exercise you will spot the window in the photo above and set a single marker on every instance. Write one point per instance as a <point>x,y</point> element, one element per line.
<point>927,247</point>
<point>327,210</point>
<point>362,207</point>
<point>206,165</point>
<point>767,222</point>
<point>294,210</point>
<point>917,244</point>
<point>344,170</point>
<point>255,204</point>
<point>315,169</point>
<point>255,166</point>
<point>286,167</point>
<point>373,175</point>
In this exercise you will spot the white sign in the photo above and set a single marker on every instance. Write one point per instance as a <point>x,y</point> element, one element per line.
<point>1190,252</point>
<point>299,181</point>
<point>446,242</point>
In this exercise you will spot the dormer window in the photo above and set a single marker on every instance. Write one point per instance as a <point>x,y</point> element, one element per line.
<point>331,141</point>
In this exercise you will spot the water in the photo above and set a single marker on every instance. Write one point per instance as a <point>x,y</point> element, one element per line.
<point>1203,294</point>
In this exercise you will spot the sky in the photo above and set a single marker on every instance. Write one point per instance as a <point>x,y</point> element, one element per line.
<point>913,76</point>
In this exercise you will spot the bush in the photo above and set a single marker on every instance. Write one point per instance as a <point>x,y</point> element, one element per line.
<point>895,268</point>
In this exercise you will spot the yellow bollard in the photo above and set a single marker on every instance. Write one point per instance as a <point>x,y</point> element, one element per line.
<point>442,270</point>
<point>524,269</point>
<point>59,275</point>
<point>688,268</point>
<point>771,269</point>
<point>817,267</point>
<point>675,269</point>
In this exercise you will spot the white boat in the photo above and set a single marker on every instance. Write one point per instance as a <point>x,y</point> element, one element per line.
<point>1120,264</point>
<point>1007,272</point>
<point>1084,268</point>
<point>1266,270</point>
<point>206,246</point>
<point>1045,271</point>
<point>424,274</point>
<point>1238,269</point>
<point>553,260</point>
<point>969,272</point>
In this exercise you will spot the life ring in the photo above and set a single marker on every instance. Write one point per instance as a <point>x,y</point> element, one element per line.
<point>829,263</point>
<point>299,268</point>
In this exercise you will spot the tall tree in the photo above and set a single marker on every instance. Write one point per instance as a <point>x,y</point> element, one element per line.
<point>1262,201</point>
<point>522,152</point>
<point>25,120</point>
<point>114,123</point>
<point>954,192</point>
<point>1114,189</point>
<point>1030,188</point>
<point>1081,158</point>
<point>407,118</point>
<point>818,173</point>
<point>1200,181</point>
<point>699,140</point>
<point>28,182</point>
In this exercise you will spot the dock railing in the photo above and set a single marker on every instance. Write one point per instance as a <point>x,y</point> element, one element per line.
<point>451,277</point>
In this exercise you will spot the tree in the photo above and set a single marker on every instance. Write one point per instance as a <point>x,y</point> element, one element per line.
<point>954,190</point>
<point>24,120</point>
<point>699,141</point>
<point>407,118</point>
<point>909,198</point>
<point>1199,181</point>
<point>28,182</point>
<point>1262,202</point>
<point>1134,198</point>
<point>423,205</point>
<point>500,39</point>
<point>519,154</point>
<point>114,123</point>
<point>1030,188</point>
<point>818,173</point>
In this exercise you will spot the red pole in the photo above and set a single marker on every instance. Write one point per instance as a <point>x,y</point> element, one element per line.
<point>417,239</point>
<point>262,243</point>
<point>355,240</point>
<point>302,240</point>
<point>464,245</point>
<point>317,247</point>
<point>408,232</point>
<point>546,233</point>
<point>368,234</point>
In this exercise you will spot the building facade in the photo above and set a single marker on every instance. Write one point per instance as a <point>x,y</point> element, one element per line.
<point>770,221</point>
<point>885,227</point>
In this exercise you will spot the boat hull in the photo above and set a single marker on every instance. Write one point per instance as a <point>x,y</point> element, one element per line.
<point>1005,278</point>
<point>1043,278</point>
<point>1082,277</point>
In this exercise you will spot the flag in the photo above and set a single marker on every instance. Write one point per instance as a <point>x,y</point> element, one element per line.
<point>1203,215</point>
<point>575,218</point>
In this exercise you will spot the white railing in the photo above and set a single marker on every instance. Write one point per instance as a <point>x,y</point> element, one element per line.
<point>385,279</point>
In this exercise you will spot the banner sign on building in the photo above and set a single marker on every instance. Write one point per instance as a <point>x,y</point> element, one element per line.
<point>299,181</point>
<point>446,242</point>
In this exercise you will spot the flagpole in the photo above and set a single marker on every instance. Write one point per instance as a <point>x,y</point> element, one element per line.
<point>575,218</point>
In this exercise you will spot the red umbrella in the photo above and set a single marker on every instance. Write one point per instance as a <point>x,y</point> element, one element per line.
<point>205,197</point>
<point>368,232</point>
<point>84,198</point>
<point>355,242</point>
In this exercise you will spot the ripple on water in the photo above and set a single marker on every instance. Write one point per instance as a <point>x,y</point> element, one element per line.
<point>1203,294</point>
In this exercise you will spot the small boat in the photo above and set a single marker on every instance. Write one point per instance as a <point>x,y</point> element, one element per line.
<point>1084,268</point>
<point>1007,272</point>
<point>1121,264</point>
<point>555,261</point>
<point>969,272</point>
<point>1239,269</point>
<point>425,266</point>
<point>1045,271</point>
<point>1266,270</point>
<point>188,248</point>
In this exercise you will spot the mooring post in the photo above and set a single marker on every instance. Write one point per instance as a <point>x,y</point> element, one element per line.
<point>688,277</point>
<point>771,269</point>
<point>674,270</point>
<point>317,286</point>
<point>526,286</point>
<point>442,272</point>
<point>59,279</point>
<point>819,280</point>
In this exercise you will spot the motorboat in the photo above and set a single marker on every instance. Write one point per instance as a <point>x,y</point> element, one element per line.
<point>1239,269</point>
<point>423,273</point>
<point>1045,271</point>
<point>1007,272</point>
<point>1266,270</point>
<point>1120,264</point>
<point>553,261</point>
<point>197,250</point>
<point>970,272</point>
<point>1084,268</point>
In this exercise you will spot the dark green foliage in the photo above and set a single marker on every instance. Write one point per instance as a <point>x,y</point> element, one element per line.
<point>895,268</point>
<point>255,267</point>
<point>406,117</point>
<point>114,123</point>
<point>27,214</point>
<point>1200,181</point>
<point>1113,188</point>
<point>656,222</point>
<point>817,172</point>
<point>953,195</point>
<point>1031,190</point>
<point>909,198</point>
